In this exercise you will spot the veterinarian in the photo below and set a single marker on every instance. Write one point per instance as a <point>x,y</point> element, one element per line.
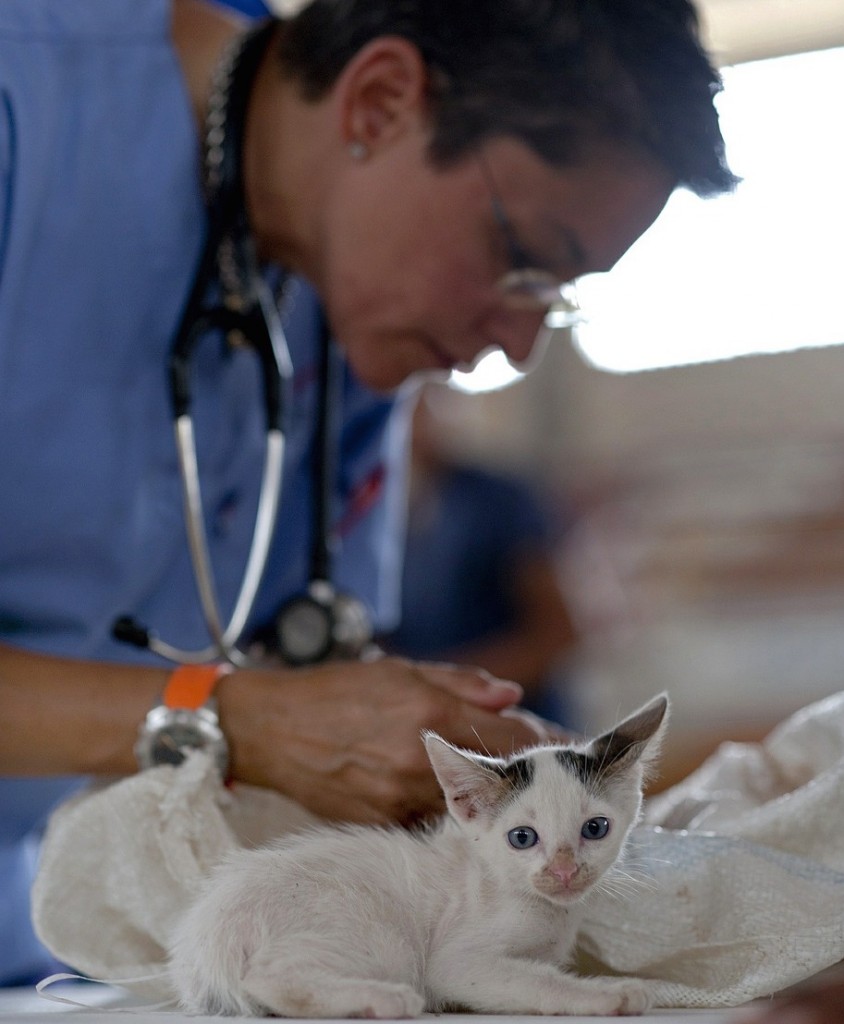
<point>265,235</point>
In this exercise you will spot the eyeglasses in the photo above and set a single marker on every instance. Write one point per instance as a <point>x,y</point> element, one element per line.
<point>524,285</point>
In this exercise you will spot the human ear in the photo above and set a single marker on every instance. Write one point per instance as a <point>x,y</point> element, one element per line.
<point>381,94</point>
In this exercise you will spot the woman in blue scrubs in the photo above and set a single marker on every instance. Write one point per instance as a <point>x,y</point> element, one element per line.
<point>430,176</point>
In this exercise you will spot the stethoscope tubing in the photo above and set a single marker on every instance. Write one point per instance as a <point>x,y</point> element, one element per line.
<point>224,638</point>
<point>262,324</point>
<point>248,312</point>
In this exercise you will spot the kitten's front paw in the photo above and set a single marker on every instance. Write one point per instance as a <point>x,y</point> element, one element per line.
<point>329,997</point>
<point>386,1001</point>
<point>633,997</point>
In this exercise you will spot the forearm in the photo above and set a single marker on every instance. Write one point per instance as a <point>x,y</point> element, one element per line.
<point>62,716</point>
<point>66,716</point>
<point>341,738</point>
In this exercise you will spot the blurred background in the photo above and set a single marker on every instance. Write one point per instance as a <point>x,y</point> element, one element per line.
<point>689,435</point>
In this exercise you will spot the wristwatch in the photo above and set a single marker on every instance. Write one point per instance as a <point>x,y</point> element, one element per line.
<point>185,720</point>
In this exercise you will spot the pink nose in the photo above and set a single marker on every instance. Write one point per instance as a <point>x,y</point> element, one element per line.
<point>564,874</point>
<point>564,869</point>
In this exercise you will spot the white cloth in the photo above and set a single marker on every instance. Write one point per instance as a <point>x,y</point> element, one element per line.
<point>739,870</point>
<point>120,863</point>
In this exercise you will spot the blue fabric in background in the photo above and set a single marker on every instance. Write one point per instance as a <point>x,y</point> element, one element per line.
<point>253,8</point>
<point>23,960</point>
<point>464,544</point>
<point>461,551</point>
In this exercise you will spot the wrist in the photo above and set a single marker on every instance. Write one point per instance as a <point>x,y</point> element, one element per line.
<point>243,704</point>
<point>257,713</point>
<point>184,719</point>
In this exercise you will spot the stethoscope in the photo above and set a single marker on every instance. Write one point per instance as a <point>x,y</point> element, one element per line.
<point>229,294</point>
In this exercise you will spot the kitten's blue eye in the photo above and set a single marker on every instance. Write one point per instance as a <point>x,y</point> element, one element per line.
<point>522,838</point>
<point>595,828</point>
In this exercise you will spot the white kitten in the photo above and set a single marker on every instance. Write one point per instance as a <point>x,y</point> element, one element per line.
<point>479,912</point>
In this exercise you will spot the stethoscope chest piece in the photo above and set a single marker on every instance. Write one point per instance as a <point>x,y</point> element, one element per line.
<point>321,625</point>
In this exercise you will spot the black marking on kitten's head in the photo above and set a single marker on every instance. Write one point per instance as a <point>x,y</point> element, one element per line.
<point>518,772</point>
<point>477,785</point>
<point>606,756</point>
<point>634,741</point>
<point>584,767</point>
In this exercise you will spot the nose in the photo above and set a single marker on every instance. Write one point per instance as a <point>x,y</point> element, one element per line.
<point>516,332</point>
<point>563,866</point>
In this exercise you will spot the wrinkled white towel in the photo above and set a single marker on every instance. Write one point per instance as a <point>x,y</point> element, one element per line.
<point>740,869</point>
<point>121,862</point>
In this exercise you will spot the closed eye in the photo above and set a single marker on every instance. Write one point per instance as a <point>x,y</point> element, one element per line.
<point>595,828</point>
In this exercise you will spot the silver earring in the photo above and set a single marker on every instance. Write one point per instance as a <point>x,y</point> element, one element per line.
<point>358,150</point>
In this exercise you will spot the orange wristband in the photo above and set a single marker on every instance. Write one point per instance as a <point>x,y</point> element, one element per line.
<point>190,686</point>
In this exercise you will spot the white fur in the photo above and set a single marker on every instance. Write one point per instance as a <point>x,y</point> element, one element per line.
<point>368,922</point>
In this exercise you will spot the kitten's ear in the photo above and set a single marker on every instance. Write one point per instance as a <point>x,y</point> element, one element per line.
<point>472,784</point>
<point>637,738</point>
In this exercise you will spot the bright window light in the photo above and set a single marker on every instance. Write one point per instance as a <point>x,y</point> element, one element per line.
<point>757,271</point>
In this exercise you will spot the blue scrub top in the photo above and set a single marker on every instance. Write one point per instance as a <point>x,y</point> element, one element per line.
<point>254,8</point>
<point>101,228</point>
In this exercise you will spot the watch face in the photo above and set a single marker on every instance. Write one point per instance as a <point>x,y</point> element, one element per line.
<point>169,734</point>
<point>171,743</point>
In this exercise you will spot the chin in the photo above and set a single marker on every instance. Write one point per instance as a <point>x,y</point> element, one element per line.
<point>383,383</point>
<point>386,362</point>
<point>387,377</point>
<point>562,896</point>
<point>564,899</point>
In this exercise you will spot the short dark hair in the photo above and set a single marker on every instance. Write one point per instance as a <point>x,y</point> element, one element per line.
<point>557,74</point>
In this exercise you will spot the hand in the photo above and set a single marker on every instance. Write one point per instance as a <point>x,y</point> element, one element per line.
<point>343,738</point>
<point>820,1000</point>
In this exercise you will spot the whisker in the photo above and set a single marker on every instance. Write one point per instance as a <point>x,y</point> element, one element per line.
<point>619,885</point>
<point>484,749</point>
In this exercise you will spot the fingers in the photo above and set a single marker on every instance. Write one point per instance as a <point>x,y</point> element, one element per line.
<point>360,784</point>
<point>477,687</point>
<point>473,685</point>
<point>541,730</point>
<point>500,734</point>
<point>344,739</point>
